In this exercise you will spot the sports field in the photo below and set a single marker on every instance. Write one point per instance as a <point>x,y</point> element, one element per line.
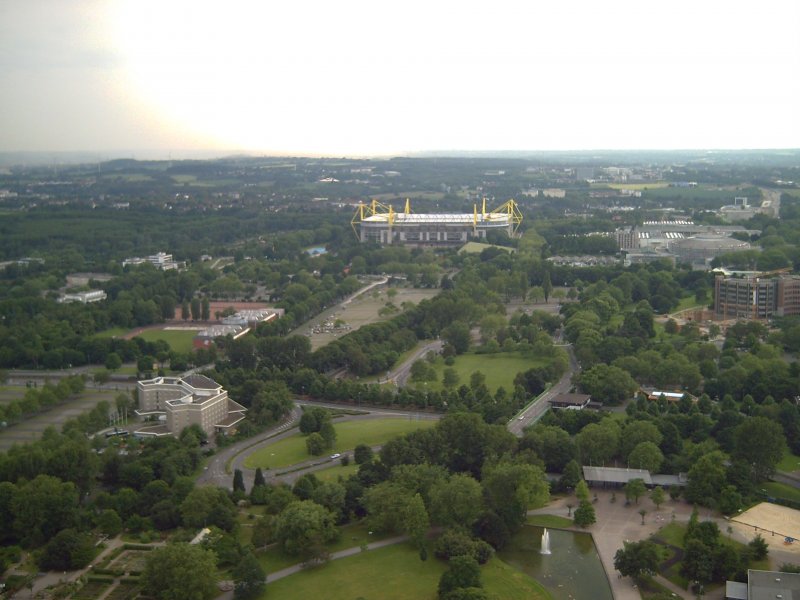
<point>397,573</point>
<point>31,429</point>
<point>500,369</point>
<point>359,312</point>
<point>773,522</point>
<point>178,340</point>
<point>292,450</point>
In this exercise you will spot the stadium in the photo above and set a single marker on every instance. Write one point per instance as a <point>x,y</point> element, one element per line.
<point>376,222</point>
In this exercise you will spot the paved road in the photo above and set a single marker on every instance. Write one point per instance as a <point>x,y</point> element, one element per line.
<point>401,374</point>
<point>533,412</point>
<point>216,474</point>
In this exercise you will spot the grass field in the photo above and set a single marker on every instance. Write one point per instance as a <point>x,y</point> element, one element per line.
<point>478,247</point>
<point>333,473</point>
<point>500,369</point>
<point>350,536</point>
<point>396,573</point>
<point>549,521</point>
<point>687,302</point>
<point>781,490</point>
<point>292,450</point>
<point>789,462</point>
<point>361,311</point>
<point>31,429</point>
<point>179,341</point>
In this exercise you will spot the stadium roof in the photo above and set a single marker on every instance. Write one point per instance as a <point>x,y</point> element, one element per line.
<point>419,218</point>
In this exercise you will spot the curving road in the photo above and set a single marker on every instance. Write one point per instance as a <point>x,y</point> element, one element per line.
<point>215,472</point>
<point>534,411</point>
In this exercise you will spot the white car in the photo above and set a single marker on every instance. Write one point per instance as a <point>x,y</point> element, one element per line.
<point>335,456</point>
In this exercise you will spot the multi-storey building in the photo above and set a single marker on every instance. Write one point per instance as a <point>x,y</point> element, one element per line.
<point>190,400</point>
<point>756,297</point>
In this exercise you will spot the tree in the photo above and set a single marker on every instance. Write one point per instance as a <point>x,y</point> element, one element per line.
<point>642,513</point>
<point>205,309</point>
<point>658,496</point>
<point>758,547</point>
<point>362,454</point>
<point>457,502</point>
<point>259,478</point>
<point>303,528</point>
<point>698,563</point>
<point>421,370</point>
<point>249,578</point>
<point>637,558</point>
<point>67,551</point>
<point>185,310</point>
<point>646,455</point>
<point>547,286</point>
<point>238,481</point>
<point>315,444</point>
<point>730,500</point>
<point>415,520</point>
<point>42,508</point>
<point>597,442</point>
<point>205,506</point>
<point>635,489</point>
<point>463,572</point>
<point>457,336</point>
<point>328,433</point>
<point>195,309</point>
<point>608,384</point>
<point>637,432</point>
<point>109,522</point>
<point>582,491</point>
<point>180,572</point>
<point>450,378</point>
<point>113,361</point>
<point>584,514</point>
<point>707,478</point>
<point>760,443</point>
<point>510,490</point>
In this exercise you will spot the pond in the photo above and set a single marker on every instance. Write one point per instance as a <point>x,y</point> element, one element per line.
<point>572,572</point>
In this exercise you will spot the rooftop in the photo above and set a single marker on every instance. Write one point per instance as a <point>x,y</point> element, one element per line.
<point>768,585</point>
<point>201,382</point>
<point>419,219</point>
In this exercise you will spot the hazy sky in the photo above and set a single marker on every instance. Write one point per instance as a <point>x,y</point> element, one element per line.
<point>353,78</point>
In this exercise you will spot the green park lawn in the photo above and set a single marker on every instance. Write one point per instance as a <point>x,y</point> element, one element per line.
<point>333,473</point>
<point>478,247</point>
<point>674,533</point>
<point>292,450</point>
<point>687,302</point>
<point>553,521</point>
<point>789,462</point>
<point>396,573</point>
<point>179,341</point>
<point>781,490</point>
<point>350,536</point>
<point>500,369</point>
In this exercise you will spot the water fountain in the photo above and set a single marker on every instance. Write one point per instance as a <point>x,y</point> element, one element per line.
<point>545,542</point>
